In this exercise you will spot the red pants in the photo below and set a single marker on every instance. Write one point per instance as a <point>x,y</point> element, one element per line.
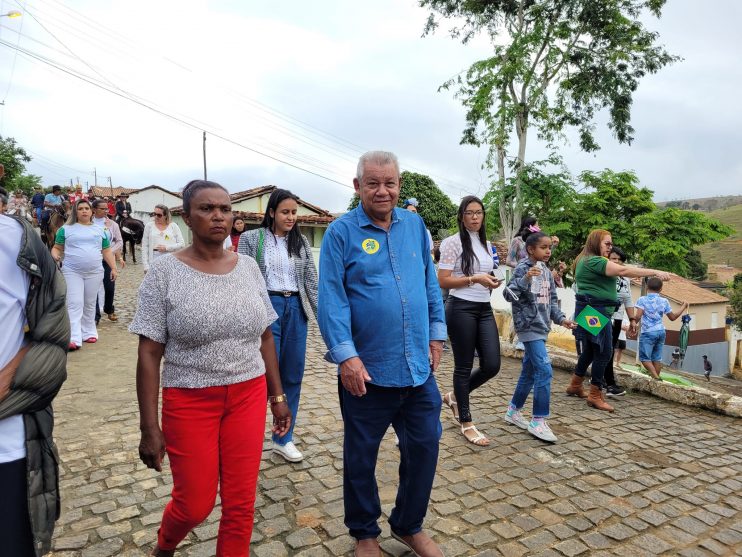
<point>214,436</point>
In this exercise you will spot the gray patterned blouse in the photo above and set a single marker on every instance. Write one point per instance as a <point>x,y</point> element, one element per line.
<point>210,324</point>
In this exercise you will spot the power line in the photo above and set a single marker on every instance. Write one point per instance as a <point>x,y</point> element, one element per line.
<point>163,113</point>
<point>271,112</point>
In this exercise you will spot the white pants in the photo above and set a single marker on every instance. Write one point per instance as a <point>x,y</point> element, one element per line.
<point>82,291</point>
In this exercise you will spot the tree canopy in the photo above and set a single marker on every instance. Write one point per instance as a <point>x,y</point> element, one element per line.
<point>435,207</point>
<point>14,159</point>
<point>555,65</point>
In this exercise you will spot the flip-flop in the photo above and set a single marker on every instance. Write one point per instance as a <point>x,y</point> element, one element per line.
<point>448,401</point>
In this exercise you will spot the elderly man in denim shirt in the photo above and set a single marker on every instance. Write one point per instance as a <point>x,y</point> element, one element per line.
<point>381,316</point>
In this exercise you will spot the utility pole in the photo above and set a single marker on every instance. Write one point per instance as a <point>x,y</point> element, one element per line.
<point>95,173</point>
<point>110,185</point>
<point>204,143</point>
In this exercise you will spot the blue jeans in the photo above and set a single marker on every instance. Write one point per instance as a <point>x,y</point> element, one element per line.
<point>651,344</point>
<point>290,336</point>
<point>415,414</point>
<point>535,374</point>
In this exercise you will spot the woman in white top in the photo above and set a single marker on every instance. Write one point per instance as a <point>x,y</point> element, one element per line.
<point>464,269</point>
<point>84,245</point>
<point>161,236</point>
<point>285,259</point>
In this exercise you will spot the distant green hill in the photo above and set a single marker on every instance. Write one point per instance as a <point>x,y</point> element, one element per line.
<point>729,250</point>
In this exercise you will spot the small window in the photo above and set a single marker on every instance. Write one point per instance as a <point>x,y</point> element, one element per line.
<point>714,319</point>
<point>693,324</point>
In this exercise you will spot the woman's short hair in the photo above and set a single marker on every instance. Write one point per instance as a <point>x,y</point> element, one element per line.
<point>621,254</point>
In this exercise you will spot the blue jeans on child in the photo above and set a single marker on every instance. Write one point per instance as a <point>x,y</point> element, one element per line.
<point>651,344</point>
<point>290,336</point>
<point>535,374</point>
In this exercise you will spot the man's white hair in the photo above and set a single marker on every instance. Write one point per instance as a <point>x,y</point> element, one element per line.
<point>378,157</point>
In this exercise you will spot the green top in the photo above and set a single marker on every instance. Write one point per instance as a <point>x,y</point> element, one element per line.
<point>591,278</point>
<point>60,238</point>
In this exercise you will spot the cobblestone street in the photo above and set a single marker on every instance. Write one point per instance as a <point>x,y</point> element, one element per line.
<point>654,478</point>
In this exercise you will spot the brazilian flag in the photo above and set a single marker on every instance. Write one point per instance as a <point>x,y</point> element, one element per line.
<point>591,320</point>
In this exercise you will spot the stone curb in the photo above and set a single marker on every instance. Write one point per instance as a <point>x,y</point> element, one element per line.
<point>729,405</point>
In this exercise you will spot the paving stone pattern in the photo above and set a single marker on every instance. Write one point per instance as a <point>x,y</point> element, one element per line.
<point>654,478</point>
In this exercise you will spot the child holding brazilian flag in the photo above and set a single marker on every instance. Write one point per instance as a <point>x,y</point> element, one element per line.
<point>535,305</point>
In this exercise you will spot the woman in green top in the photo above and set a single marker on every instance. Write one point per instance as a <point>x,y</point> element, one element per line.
<point>595,277</point>
<point>84,245</point>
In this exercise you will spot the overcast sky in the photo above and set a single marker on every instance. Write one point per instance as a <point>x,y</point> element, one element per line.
<point>314,84</point>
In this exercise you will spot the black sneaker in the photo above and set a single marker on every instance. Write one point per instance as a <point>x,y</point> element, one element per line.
<point>615,390</point>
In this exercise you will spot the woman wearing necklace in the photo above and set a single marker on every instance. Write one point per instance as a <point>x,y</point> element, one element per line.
<point>160,236</point>
<point>285,259</point>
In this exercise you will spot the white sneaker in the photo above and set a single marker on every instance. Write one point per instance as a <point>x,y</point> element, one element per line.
<point>516,418</point>
<point>542,431</point>
<point>288,451</point>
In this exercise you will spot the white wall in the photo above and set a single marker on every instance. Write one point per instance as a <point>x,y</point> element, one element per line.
<point>143,202</point>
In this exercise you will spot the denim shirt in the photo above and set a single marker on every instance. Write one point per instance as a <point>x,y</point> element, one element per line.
<point>379,297</point>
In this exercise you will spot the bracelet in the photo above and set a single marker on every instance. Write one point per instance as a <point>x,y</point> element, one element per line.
<point>277,398</point>
<point>632,319</point>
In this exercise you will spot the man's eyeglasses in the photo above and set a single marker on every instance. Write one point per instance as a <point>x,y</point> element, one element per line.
<point>473,213</point>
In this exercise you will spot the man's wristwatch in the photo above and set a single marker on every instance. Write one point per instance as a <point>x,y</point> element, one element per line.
<point>277,398</point>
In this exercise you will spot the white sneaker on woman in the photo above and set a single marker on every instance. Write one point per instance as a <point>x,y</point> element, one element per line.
<point>288,451</point>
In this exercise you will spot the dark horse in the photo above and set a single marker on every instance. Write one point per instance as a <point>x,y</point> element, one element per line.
<point>57,218</point>
<point>132,231</point>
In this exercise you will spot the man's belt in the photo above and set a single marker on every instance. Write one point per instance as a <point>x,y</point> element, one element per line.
<point>284,293</point>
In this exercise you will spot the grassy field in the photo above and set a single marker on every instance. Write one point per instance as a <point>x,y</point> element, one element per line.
<point>729,250</point>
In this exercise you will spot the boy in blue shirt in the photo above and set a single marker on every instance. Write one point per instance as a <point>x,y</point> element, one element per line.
<point>651,309</point>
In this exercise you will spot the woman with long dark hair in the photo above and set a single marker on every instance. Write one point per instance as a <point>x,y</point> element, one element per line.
<point>464,269</point>
<point>595,277</point>
<point>285,258</point>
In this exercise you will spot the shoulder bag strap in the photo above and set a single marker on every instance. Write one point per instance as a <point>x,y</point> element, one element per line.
<point>261,239</point>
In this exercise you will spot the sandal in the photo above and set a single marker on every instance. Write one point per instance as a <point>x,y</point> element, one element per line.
<point>480,440</point>
<point>451,403</point>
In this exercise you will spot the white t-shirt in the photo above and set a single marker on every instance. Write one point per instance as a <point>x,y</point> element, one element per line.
<point>280,271</point>
<point>82,246</point>
<point>451,251</point>
<point>13,290</point>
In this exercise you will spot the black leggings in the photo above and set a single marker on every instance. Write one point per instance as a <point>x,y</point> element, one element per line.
<point>610,378</point>
<point>471,325</point>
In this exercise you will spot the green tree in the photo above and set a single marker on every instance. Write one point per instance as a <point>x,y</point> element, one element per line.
<point>13,158</point>
<point>734,293</point>
<point>25,182</point>
<point>609,200</point>
<point>555,65</point>
<point>436,208</point>
<point>546,196</point>
<point>698,269</point>
<point>665,239</point>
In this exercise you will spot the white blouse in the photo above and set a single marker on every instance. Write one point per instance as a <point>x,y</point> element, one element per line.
<point>451,251</point>
<point>280,271</point>
<point>171,238</point>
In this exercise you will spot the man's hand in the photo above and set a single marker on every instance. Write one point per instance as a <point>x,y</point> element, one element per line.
<point>436,351</point>
<point>354,376</point>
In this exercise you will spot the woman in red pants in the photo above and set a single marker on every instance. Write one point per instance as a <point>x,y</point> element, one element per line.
<point>216,377</point>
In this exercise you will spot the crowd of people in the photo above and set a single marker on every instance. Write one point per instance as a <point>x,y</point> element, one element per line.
<point>222,326</point>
